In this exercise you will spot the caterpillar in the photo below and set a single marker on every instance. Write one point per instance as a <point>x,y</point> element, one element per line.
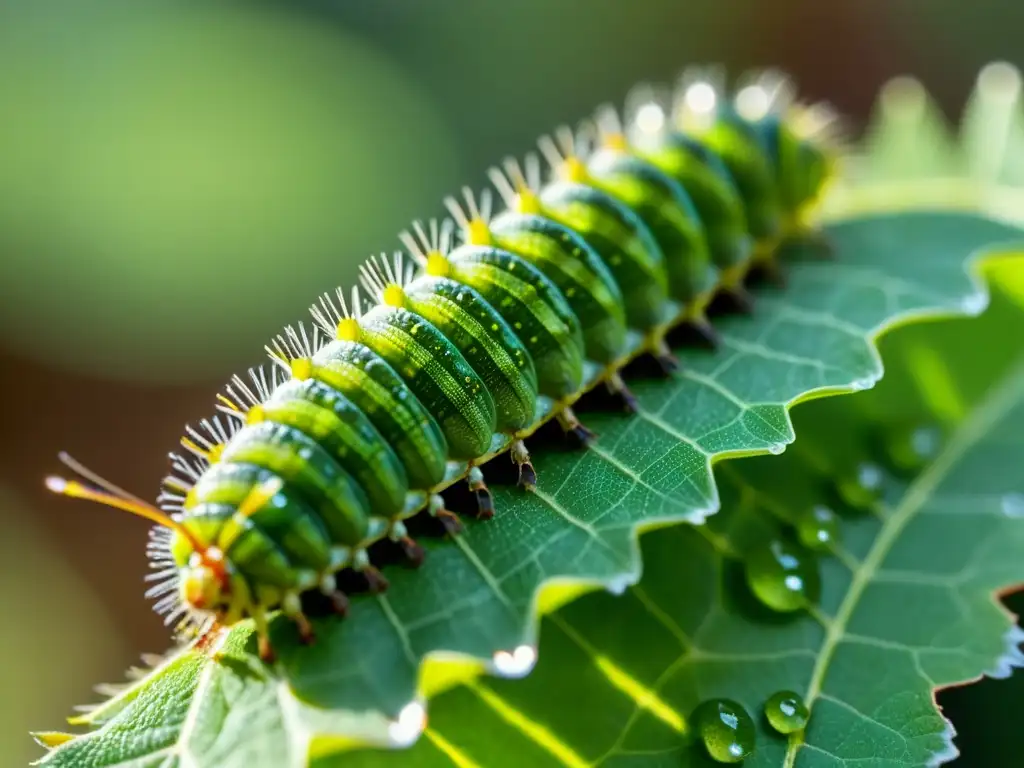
<point>485,327</point>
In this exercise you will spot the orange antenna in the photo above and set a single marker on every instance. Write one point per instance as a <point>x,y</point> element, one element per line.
<point>109,495</point>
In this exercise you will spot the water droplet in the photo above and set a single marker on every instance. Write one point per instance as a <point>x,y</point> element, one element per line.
<point>518,663</point>
<point>786,712</point>
<point>911,449</point>
<point>974,304</point>
<point>1013,505</point>
<point>619,584</point>
<point>406,729</point>
<point>776,448</point>
<point>859,385</point>
<point>864,488</point>
<point>783,575</point>
<point>818,528</point>
<point>725,729</point>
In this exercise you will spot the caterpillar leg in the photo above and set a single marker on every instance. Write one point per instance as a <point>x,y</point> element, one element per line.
<point>521,457</point>
<point>618,387</point>
<point>266,651</point>
<point>819,240</point>
<point>205,641</point>
<point>449,520</point>
<point>339,600</point>
<point>413,552</point>
<point>291,606</point>
<point>771,271</point>
<point>735,299</point>
<point>701,330</point>
<point>375,580</point>
<point>568,421</point>
<point>669,362</point>
<point>484,502</point>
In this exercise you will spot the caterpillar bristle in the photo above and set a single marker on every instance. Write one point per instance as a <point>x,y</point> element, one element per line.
<point>762,93</point>
<point>472,216</point>
<point>239,397</point>
<point>646,111</point>
<point>386,281</point>
<point>518,184</point>
<point>609,126</point>
<point>553,152</point>
<point>698,94</point>
<point>296,343</point>
<point>433,240</point>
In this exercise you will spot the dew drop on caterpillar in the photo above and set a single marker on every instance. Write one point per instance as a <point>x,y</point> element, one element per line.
<point>459,349</point>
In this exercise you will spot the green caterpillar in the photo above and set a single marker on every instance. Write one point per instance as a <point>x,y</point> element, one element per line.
<point>454,353</point>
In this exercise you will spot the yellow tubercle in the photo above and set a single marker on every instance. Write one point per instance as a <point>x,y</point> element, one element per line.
<point>302,368</point>
<point>615,141</point>
<point>478,233</point>
<point>256,415</point>
<point>574,170</point>
<point>437,265</point>
<point>393,296</point>
<point>348,330</point>
<point>528,202</point>
<point>212,455</point>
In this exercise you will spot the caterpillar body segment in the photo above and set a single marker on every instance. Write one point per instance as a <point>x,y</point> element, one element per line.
<point>664,205</point>
<point>307,467</point>
<point>460,352</point>
<point>703,174</point>
<point>375,387</point>
<point>625,244</point>
<point>480,334</point>
<point>577,270</point>
<point>326,415</point>
<point>534,307</point>
<point>437,374</point>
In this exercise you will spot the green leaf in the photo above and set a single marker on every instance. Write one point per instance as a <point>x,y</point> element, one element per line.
<point>908,602</point>
<point>479,595</point>
<point>482,595</point>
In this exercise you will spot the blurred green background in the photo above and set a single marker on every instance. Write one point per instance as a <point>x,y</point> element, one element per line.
<point>179,179</point>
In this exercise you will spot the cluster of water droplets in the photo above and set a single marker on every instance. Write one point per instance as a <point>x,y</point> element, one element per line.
<point>727,732</point>
<point>783,574</point>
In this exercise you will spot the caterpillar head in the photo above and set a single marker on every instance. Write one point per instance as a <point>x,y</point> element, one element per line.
<point>204,584</point>
<point>207,585</point>
<point>194,582</point>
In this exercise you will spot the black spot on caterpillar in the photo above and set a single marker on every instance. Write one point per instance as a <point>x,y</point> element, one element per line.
<point>484,330</point>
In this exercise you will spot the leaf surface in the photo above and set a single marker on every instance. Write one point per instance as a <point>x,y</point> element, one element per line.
<point>908,601</point>
<point>479,595</point>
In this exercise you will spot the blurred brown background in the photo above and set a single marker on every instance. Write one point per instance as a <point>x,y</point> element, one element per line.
<point>179,179</point>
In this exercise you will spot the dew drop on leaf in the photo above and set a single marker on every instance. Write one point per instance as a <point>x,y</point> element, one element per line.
<point>786,712</point>
<point>1013,505</point>
<point>783,575</point>
<point>725,729</point>
<point>863,489</point>
<point>818,528</point>
<point>911,449</point>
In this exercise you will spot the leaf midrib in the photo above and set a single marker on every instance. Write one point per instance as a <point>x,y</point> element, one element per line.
<point>993,406</point>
